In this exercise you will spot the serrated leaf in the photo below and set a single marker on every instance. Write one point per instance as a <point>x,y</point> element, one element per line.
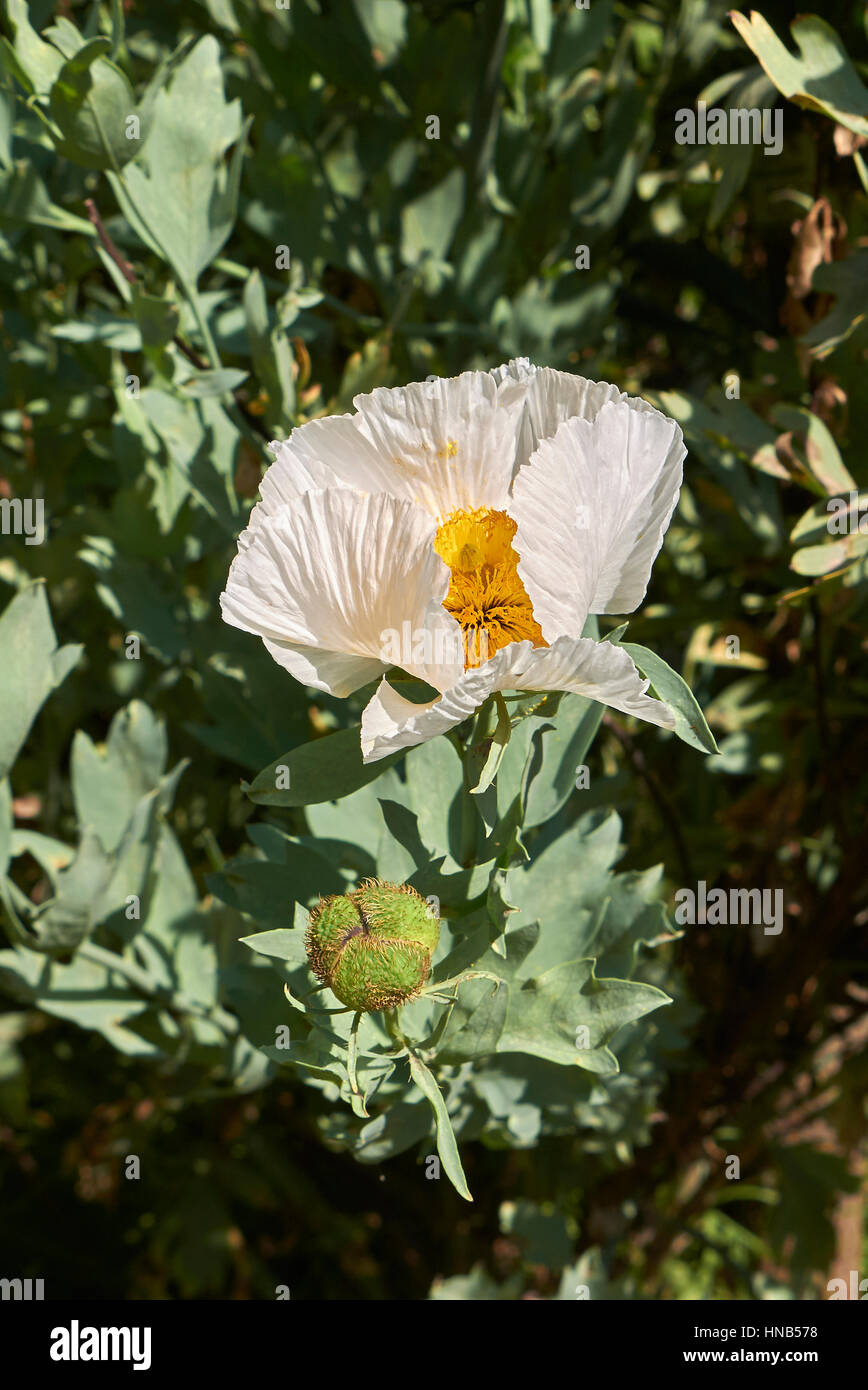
<point>546,1012</point>
<point>108,782</point>
<point>822,78</point>
<point>179,194</point>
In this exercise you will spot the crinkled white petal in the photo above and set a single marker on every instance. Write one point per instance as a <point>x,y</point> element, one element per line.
<point>391,722</point>
<point>517,369</point>
<point>591,508</point>
<point>598,670</point>
<point>333,579</point>
<point>446,444</point>
<point>551,397</point>
<point>321,454</point>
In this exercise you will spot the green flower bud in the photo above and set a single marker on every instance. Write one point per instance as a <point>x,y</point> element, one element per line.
<point>373,946</point>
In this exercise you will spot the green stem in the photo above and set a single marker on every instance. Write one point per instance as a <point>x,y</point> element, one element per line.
<point>469,833</point>
<point>192,295</point>
<point>455,980</point>
<point>353,1054</point>
<point>390,1018</point>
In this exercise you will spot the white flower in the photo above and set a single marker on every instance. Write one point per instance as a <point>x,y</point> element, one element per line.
<point>484,516</point>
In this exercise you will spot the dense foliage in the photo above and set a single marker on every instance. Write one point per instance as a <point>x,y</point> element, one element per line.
<point>219,220</point>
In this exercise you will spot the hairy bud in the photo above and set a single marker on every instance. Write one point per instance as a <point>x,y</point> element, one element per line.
<point>373,946</point>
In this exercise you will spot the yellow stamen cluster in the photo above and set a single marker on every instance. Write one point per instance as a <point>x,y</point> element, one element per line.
<point>486,596</point>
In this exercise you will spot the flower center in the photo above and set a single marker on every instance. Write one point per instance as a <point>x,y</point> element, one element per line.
<point>486,596</point>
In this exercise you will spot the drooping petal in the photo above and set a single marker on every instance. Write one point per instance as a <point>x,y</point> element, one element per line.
<point>447,444</point>
<point>592,506</point>
<point>391,722</point>
<point>598,670</point>
<point>333,580</point>
<point>335,672</point>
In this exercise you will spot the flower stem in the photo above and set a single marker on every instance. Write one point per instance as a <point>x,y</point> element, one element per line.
<point>353,1054</point>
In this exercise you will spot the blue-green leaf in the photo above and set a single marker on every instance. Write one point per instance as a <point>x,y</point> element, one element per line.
<point>674,691</point>
<point>446,1145</point>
